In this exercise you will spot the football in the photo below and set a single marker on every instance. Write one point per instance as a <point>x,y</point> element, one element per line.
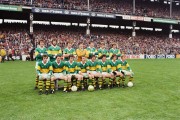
<point>130,84</point>
<point>74,88</point>
<point>90,88</point>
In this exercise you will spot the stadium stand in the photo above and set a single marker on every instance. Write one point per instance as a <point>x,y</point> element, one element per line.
<point>143,7</point>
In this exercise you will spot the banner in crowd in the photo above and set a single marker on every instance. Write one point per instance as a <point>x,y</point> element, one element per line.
<point>135,56</point>
<point>10,8</point>
<point>161,20</point>
<point>73,12</point>
<point>161,56</point>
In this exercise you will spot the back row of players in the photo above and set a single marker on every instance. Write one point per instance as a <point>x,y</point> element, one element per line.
<point>80,67</point>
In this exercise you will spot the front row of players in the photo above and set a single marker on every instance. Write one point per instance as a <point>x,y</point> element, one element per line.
<point>81,74</point>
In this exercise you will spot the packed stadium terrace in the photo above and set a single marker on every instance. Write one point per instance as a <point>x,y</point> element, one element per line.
<point>143,7</point>
<point>143,43</point>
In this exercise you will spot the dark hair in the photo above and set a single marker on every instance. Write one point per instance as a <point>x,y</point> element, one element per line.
<point>44,55</point>
<point>41,41</point>
<point>71,56</point>
<point>92,56</point>
<point>102,56</point>
<point>114,55</point>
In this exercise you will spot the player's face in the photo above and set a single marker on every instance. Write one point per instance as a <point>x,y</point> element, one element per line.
<point>81,46</point>
<point>103,46</point>
<point>83,59</point>
<point>41,44</point>
<point>114,58</point>
<point>104,59</point>
<point>93,59</point>
<point>69,45</point>
<point>114,46</point>
<point>123,58</point>
<point>71,59</point>
<point>45,59</point>
<point>58,59</point>
<point>91,45</point>
<point>54,42</point>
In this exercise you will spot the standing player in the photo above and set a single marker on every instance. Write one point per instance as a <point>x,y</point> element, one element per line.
<point>53,50</point>
<point>44,71</point>
<point>94,70</point>
<point>102,51</point>
<point>126,70</point>
<point>68,51</point>
<point>114,50</point>
<point>72,72</point>
<point>106,71</point>
<point>80,52</point>
<point>91,50</point>
<point>40,50</point>
<point>59,72</point>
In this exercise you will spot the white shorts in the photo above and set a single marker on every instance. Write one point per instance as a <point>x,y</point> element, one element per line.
<point>93,72</point>
<point>85,75</point>
<point>104,73</point>
<point>44,76</point>
<point>58,75</point>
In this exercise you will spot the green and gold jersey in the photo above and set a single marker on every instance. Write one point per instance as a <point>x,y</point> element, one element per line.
<point>69,51</point>
<point>105,66</point>
<point>39,52</point>
<point>71,68</point>
<point>53,51</point>
<point>115,65</point>
<point>83,67</point>
<point>91,51</point>
<point>114,51</point>
<point>59,68</point>
<point>44,67</point>
<point>125,65</point>
<point>101,51</point>
<point>93,66</point>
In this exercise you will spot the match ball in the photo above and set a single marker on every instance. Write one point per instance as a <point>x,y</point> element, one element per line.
<point>130,84</point>
<point>91,88</point>
<point>74,88</point>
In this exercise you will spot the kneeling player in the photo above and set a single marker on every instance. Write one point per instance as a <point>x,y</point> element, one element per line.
<point>94,70</point>
<point>106,71</point>
<point>72,73</point>
<point>126,70</point>
<point>59,71</point>
<point>44,70</point>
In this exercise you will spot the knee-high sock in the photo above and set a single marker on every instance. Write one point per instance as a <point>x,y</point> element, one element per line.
<point>110,82</point>
<point>94,82</point>
<point>123,80</point>
<point>78,83</point>
<point>69,85</point>
<point>131,79</point>
<point>65,85</point>
<point>82,83</point>
<point>40,84</point>
<point>52,85</point>
<point>100,82</point>
<point>37,78</point>
<point>47,84</point>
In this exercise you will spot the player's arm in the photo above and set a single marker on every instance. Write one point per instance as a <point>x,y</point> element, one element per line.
<point>50,68</point>
<point>37,54</point>
<point>39,69</point>
<point>128,67</point>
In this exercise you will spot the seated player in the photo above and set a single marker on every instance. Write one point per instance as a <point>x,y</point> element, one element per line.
<point>116,68</point>
<point>40,50</point>
<point>126,70</point>
<point>59,72</point>
<point>106,71</point>
<point>83,68</point>
<point>44,71</point>
<point>94,70</point>
<point>72,72</point>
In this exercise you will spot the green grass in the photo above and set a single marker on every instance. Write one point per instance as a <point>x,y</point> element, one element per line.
<point>156,95</point>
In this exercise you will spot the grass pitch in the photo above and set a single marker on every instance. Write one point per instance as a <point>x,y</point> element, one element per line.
<point>156,95</point>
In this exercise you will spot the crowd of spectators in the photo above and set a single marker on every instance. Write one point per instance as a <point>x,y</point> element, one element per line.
<point>143,7</point>
<point>20,41</point>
